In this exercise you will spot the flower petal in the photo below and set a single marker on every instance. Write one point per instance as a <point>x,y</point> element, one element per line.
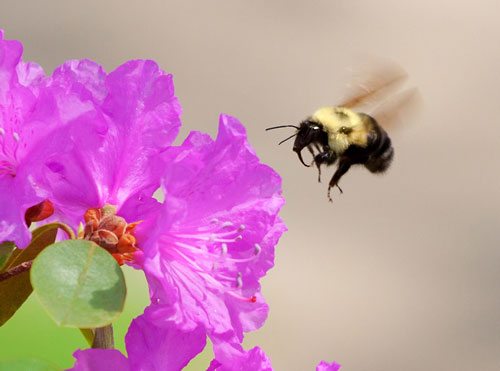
<point>325,366</point>
<point>12,225</point>
<point>17,102</point>
<point>166,348</point>
<point>216,235</point>
<point>232,357</point>
<point>141,99</point>
<point>100,360</point>
<point>113,129</point>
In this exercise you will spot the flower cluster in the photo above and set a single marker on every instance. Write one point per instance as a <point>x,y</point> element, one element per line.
<point>90,149</point>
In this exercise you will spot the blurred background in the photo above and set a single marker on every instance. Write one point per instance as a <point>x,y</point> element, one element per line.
<point>401,272</point>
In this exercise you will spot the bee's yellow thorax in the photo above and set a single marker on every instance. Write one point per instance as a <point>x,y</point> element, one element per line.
<point>335,118</point>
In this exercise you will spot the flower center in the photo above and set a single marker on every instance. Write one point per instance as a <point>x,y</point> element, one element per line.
<point>219,248</point>
<point>111,232</point>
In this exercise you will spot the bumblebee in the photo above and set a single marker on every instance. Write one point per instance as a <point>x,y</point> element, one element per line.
<point>341,135</point>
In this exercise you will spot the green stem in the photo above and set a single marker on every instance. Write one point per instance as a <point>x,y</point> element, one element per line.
<point>103,338</point>
<point>66,228</point>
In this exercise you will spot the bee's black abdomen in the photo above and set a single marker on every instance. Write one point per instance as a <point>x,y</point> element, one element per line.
<point>381,150</point>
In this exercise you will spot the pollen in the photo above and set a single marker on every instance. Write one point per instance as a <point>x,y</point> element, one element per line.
<point>111,232</point>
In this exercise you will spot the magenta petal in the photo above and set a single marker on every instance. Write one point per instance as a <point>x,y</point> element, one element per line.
<point>65,170</point>
<point>12,225</point>
<point>216,235</point>
<point>149,348</point>
<point>112,131</point>
<point>18,99</point>
<point>231,357</point>
<point>325,366</point>
<point>141,99</point>
<point>165,348</point>
<point>10,55</point>
<point>83,78</point>
<point>100,360</point>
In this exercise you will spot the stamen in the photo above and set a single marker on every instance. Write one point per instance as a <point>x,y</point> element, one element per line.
<point>15,136</point>
<point>257,249</point>
<point>239,281</point>
<point>208,248</point>
<point>2,132</point>
<point>206,237</point>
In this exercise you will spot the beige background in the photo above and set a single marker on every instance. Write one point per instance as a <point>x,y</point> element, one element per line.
<point>402,271</point>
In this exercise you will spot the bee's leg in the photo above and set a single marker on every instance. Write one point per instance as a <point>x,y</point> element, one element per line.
<point>318,147</point>
<point>316,158</point>
<point>320,159</point>
<point>317,161</point>
<point>326,157</point>
<point>311,151</point>
<point>344,166</point>
<point>318,165</point>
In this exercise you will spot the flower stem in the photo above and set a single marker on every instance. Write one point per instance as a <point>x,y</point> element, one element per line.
<point>66,228</point>
<point>18,269</point>
<point>103,338</point>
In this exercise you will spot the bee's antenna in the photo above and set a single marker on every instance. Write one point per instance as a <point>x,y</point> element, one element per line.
<point>290,137</point>
<point>283,126</point>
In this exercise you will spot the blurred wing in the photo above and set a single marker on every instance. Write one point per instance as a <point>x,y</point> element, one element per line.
<point>375,85</point>
<point>403,106</point>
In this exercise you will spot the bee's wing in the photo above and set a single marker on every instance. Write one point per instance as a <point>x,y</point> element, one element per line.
<point>405,104</point>
<point>376,84</point>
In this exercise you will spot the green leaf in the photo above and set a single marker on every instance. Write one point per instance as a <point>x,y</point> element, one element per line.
<point>31,364</point>
<point>6,250</point>
<point>31,252</point>
<point>15,290</point>
<point>79,283</point>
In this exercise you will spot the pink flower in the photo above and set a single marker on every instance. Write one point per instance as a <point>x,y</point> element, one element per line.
<point>325,366</point>
<point>149,348</point>
<point>96,146</point>
<point>210,243</point>
<point>234,357</point>
<point>117,126</point>
<point>215,236</point>
<point>20,130</point>
<point>153,348</point>
<point>80,138</point>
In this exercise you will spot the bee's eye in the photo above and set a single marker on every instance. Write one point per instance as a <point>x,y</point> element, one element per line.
<point>344,130</point>
<point>315,127</point>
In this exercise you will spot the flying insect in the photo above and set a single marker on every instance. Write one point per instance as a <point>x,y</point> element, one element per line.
<point>341,135</point>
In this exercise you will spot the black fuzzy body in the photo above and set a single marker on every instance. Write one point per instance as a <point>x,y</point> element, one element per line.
<point>378,153</point>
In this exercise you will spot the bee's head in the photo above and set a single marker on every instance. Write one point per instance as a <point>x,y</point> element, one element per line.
<point>308,132</point>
